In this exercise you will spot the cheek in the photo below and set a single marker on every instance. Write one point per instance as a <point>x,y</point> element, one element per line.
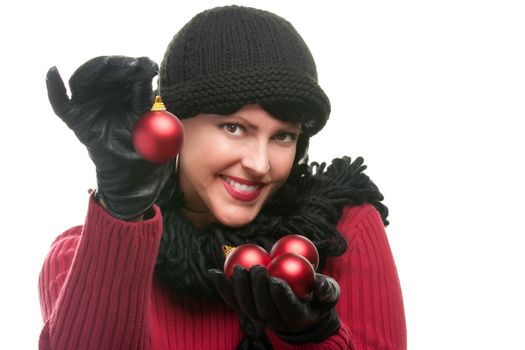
<point>281,163</point>
<point>203,159</point>
<point>202,147</point>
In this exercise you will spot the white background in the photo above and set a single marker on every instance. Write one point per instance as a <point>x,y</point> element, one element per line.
<point>430,93</point>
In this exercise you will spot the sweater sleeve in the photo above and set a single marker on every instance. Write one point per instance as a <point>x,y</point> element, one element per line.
<point>96,281</point>
<point>371,305</point>
<point>371,302</point>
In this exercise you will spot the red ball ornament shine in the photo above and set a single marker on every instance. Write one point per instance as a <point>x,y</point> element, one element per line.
<point>246,255</point>
<point>296,271</point>
<point>299,245</point>
<point>158,136</point>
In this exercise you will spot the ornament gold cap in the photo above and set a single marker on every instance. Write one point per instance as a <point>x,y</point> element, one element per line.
<point>158,105</point>
<point>227,249</point>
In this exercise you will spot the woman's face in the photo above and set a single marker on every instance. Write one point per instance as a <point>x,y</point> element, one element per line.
<point>229,166</point>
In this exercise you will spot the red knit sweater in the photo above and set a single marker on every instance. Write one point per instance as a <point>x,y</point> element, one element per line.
<point>97,291</point>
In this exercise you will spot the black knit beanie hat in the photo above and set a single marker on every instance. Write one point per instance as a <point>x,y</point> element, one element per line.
<point>227,57</point>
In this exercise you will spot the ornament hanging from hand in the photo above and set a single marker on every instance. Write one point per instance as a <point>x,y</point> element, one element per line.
<point>293,258</point>
<point>158,135</point>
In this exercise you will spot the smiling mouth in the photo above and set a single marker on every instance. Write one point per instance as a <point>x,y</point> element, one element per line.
<point>242,190</point>
<point>241,187</point>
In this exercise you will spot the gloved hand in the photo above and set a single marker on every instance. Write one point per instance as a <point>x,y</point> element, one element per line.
<point>108,94</point>
<point>271,301</point>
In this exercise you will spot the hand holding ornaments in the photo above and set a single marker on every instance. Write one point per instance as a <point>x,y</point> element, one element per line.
<point>293,258</point>
<point>304,314</point>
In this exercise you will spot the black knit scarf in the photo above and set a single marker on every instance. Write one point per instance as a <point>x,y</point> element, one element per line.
<point>310,207</point>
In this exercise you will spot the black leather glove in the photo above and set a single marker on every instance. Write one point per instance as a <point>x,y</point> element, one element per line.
<point>271,301</point>
<point>108,94</point>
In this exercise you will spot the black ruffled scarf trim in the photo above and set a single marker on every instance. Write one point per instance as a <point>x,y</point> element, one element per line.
<point>310,207</point>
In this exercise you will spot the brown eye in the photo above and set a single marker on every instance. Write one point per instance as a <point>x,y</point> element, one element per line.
<point>285,137</point>
<point>232,128</point>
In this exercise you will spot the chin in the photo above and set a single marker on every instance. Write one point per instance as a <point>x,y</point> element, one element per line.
<point>236,217</point>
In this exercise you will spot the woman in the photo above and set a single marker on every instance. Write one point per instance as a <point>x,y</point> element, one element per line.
<point>144,271</point>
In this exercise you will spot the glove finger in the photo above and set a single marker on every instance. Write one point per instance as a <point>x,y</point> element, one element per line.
<point>102,74</point>
<point>294,312</point>
<point>56,92</point>
<point>141,97</point>
<point>243,292</point>
<point>224,287</point>
<point>326,289</point>
<point>264,303</point>
<point>147,69</point>
<point>141,94</point>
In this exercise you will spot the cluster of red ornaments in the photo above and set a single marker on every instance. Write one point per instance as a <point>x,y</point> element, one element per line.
<point>293,258</point>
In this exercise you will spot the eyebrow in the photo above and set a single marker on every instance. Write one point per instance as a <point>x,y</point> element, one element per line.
<point>246,121</point>
<point>289,125</point>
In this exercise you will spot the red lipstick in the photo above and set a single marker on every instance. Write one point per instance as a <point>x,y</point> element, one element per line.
<point>238,194</point>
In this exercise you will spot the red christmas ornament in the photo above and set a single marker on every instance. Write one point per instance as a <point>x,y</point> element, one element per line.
<point>296,244</point>
<point>245,255</point>
<point>158,134</point>
<point>296,271</point>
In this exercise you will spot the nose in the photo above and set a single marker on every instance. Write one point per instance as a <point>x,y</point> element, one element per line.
<point>256,159</point>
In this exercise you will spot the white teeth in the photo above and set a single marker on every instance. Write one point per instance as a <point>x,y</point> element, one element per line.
<point>241,187</point>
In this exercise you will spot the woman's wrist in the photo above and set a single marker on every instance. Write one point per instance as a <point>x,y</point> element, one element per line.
<point>137,218</point>
<point>317,333</point>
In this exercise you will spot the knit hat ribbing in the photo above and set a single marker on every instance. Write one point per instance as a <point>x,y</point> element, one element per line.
<point>227,57</point>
